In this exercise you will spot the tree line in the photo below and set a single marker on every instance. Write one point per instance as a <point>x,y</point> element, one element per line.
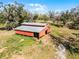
<point>12,15</point>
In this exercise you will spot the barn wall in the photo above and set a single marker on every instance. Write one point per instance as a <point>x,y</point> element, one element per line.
<point>42,33</point>
<point>48,29</point>
<point>24,33</point>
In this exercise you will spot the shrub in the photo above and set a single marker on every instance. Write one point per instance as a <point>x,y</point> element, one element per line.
<point>11,25</point>
<point>72,25</point>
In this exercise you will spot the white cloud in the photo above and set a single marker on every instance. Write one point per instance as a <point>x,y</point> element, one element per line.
<point>37,5</point>
<point>40,8</point>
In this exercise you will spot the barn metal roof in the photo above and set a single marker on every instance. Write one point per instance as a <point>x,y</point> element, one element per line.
<point>40,24</point>
<point>30,28</point>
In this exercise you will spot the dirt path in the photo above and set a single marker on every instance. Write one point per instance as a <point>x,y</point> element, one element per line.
<point>17,57</point>
<point>6,34</point>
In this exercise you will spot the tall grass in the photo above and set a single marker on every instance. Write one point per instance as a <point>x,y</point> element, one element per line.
<point>67,35</point>
<point>14,44</point>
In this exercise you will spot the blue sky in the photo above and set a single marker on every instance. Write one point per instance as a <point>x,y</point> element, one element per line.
<point>45,5</point>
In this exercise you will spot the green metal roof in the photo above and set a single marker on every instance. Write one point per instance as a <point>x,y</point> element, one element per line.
<point>40,24</point>
<point>30,28</point>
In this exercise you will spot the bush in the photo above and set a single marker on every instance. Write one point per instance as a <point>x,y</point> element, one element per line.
<point>11,25</point>
<point>72,25</point>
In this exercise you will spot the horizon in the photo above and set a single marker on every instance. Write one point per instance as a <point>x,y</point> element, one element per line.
<point>44,6</point>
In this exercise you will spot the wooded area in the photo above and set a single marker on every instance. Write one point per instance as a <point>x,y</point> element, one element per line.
<point>14,14</point>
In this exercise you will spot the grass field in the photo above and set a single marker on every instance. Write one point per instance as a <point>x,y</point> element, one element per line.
<point>63,32</point>
<point>14,46</point>
<point>22,47</point>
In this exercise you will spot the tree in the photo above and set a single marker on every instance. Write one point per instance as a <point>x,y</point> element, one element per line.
<point>43,17</point>
<point>51,15</point>
<point>65,17</point>
<point>35,17</point>
<point>13,13</point>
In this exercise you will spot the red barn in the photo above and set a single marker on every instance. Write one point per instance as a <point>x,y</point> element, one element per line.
<point>38,25</point>
<point>33,29</point>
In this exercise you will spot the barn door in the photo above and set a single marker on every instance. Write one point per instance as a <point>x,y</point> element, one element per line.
<point>36,35</point>
<point>46,32</point>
